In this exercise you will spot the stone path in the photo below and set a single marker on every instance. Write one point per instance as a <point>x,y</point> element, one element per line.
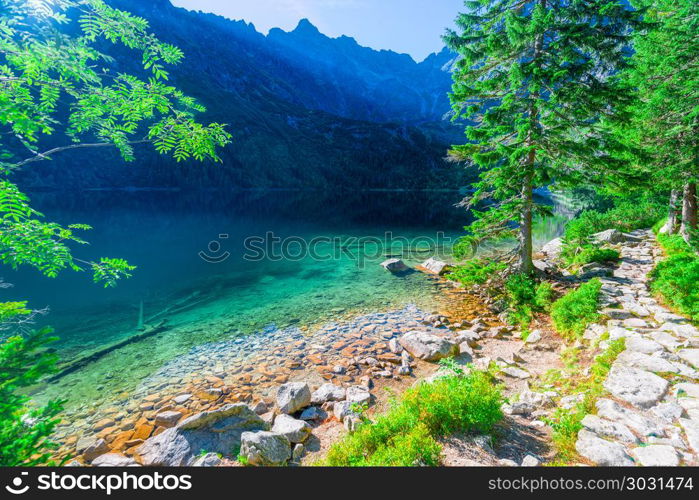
<point>651,416</point>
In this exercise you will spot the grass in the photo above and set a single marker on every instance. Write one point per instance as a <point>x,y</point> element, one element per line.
<point>675,278</point>
<point>572,313</point>
<point>407,434</point>
<point>566,423</point>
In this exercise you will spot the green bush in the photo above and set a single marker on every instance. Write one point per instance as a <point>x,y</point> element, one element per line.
<point>525,297</point>
<point>676,280</point>
<point>406,434</point>
<point>25,432</point>
<point>574,311</point>
<point>476,271</point>
<point>626,216</point>
<point>587,253</point>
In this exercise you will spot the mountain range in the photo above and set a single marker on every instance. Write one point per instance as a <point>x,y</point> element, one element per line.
<point>305,111</point>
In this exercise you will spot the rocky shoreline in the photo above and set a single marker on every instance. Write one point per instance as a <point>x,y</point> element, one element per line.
<point>282,397</point>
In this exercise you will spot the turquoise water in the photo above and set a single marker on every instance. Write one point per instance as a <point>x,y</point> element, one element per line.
<point>196,271</point>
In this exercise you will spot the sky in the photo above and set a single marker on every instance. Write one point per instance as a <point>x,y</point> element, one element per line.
<point>407,26</point>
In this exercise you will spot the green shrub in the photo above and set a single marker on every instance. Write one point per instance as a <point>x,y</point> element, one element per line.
<point>406,434</point>
<point>587,253</point>
<point>476,271</point>
<point>25,432</point>
<point>626,216</point>
<point>676,280</point>
<point>525,297</point>
<point>574,311</point>
<point>544,296</point>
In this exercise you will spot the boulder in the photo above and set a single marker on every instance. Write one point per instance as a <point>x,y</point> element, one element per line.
<point>208,460</point>
<point>265,448</point>
<point>531,461</point>
<point>359,395</point>
<point>293,396</point>
<point>296,431</point>
<point>343,409</point>
<point>428,346</point>
<point>217,431</point>
<point>435,266</point>
<point>691,356</point>
<point>327,392</point>
<point>167,418</point>
<point>638,387</point>
<point>528,402</point>
<point>608,429</point>
<point>113,460</point>
<point>613,236</point>
<point>657,455</point>
<point>600,451</point>
<point>313,413</point>
<point>394,265</point>
<point>99,447</point>
<point>611,410</point>
<point>533,337</point>
<point>553,248</point>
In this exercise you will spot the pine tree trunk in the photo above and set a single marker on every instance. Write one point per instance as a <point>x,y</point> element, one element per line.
<point>524,265</point>
<point>673,215</point>
<point>689,211</point>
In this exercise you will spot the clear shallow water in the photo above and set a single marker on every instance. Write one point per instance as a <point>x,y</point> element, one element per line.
<point>213,298</point>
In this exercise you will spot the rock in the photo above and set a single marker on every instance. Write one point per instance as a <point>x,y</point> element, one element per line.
<point>217,431</point>
<point>208,460</point>
<point>686,389</point>
<point>265,448</point>
<point>528,402</point>
<point>113,460</point>
<point>608,429</point>
<point>635,323</point>
<point>506,462</point>
<point>339,369</point>
<point>553,248</point>
<point>606,408</point>
<point>313,413</point>
<point>351,423</point>
<point>293,396</point>
<point>435,266</point>
<point>260,407</point>
<point>296,431</point>
<point>691,356</point>
<point>394,346</point>
<point>99,447</point>
<point>342,409</point>
<point>394,265</point>
<point>668,411</point>
<point>533,337</point>
<point>359,395</point>
<point>469,337</point>
<point>514,372</point>
<point>182,398</point>
<point>600,451</point>
<point>643,345</point>
<point>681,329</point>
<point>614,236</point>
<point>297,452</point>
<point>427,346</point>
<point>656,455</point>
<point>167,418</point>
<point>645,362</point>
<point>103,424</point>
<point>638,387</point>
<point>531,461</point>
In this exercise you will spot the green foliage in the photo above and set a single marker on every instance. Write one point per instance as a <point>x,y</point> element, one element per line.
<point>525,297</point>
<point>528,82</point>
<point>588,254</point>
<point>566,423</point>
<point>574,311</point>
<point>476,271</point>
<point>675,278</point>
<point>406,434</point>
<point>10,310</point>
<point>24,432</point>
<point>627,215</point>
<point>55,86</point>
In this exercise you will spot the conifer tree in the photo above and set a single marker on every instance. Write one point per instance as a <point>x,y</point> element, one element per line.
<point>664,124</point>
<point>535,80</point>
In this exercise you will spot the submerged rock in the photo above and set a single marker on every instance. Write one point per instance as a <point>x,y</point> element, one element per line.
<point>435,266</point>
<point>394,265</point>
<point>217,431</point>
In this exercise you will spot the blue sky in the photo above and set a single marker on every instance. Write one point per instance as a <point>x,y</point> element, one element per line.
<point>410,26</point>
